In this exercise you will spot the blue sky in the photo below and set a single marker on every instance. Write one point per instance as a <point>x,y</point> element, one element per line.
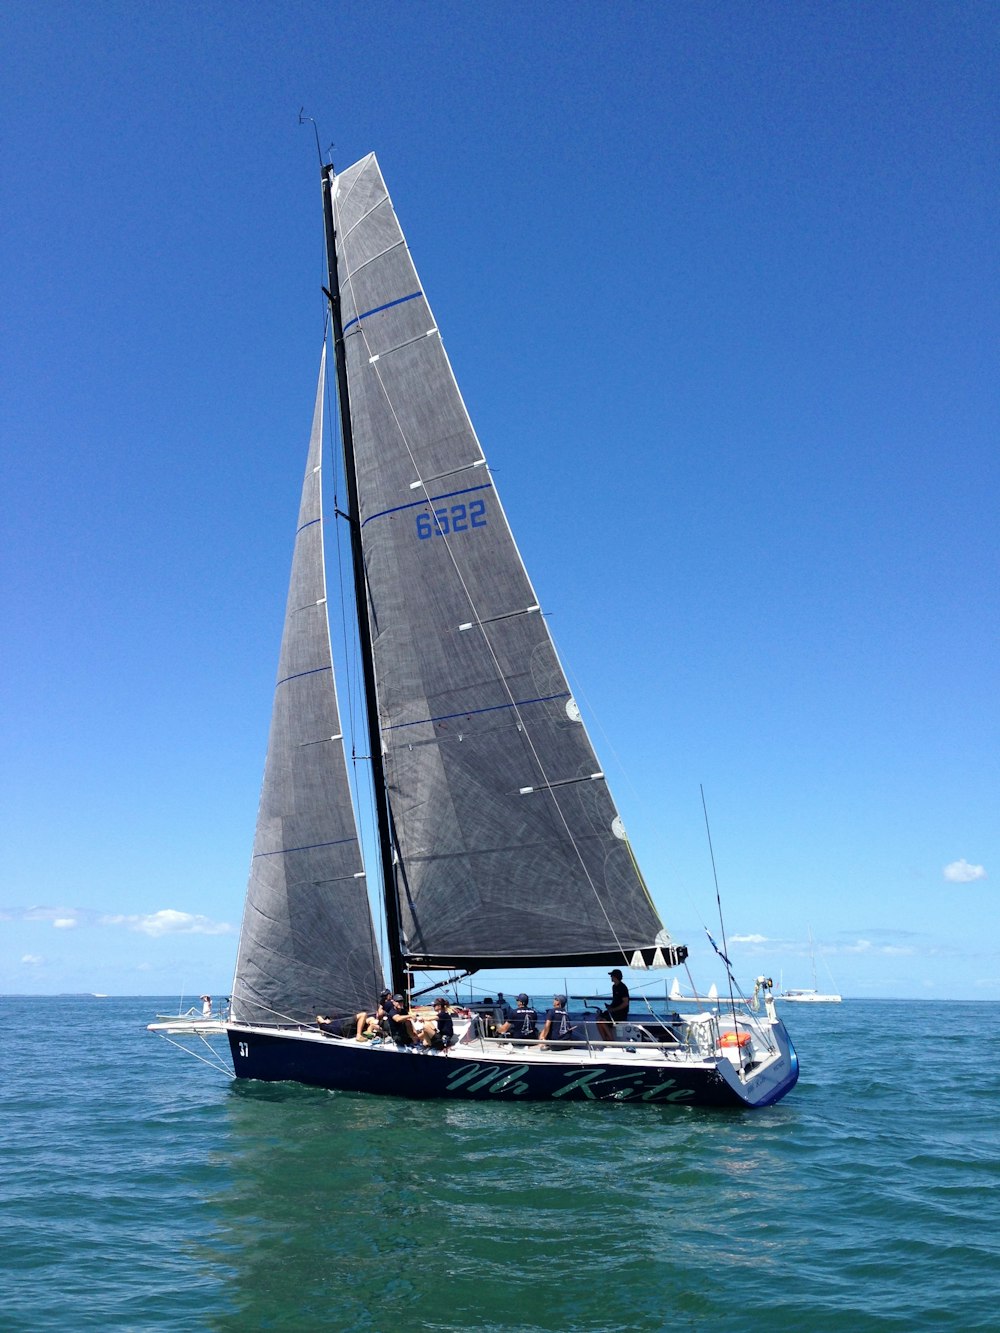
<point>719,284</point>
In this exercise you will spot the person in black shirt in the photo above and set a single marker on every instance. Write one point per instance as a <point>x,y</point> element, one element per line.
<point>557,1025</point>
<point>443,1035</point>
<point>617,1010</point>
<point>361,1025</point>
<point>400,1024</point>
<point>523,1022</point>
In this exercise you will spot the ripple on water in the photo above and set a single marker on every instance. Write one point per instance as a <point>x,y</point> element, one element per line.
<point>143,1192</point>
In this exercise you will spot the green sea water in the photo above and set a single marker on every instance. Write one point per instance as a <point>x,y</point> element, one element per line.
<point>142,1190</point>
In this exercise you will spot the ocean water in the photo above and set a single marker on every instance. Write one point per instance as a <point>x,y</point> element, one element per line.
<point>140,1189</point>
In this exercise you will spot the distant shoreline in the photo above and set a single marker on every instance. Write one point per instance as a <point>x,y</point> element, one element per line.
<point>171,996</point>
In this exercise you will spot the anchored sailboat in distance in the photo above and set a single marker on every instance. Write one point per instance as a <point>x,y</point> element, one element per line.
<point>499,842</point>
<point>810,994</point>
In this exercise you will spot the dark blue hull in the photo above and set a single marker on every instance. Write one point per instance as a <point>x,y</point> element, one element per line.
<point>347,1067</point>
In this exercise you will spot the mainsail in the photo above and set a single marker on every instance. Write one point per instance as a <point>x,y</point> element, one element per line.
<point>307,944</point>
<point>508,846</point>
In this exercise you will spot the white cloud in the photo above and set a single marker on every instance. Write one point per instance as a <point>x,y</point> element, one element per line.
<point>32,959</point>
<point>960,872</point>
<point>170,922</point>
<point>748,939</point>
<point>880,945</point>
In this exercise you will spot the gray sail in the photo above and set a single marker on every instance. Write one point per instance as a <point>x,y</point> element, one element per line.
<point>307,944</point>
<point>509,846</point>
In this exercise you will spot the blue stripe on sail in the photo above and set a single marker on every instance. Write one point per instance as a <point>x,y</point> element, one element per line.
<point>379,308</point>
<point>415,504</point>
<point>299,674</point>
<point>474,712</point>
<point>307,525</point>
<point>309,847</point>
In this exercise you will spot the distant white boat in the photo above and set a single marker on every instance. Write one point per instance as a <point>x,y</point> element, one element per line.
<point>808,994</point>
<point>676,996</point>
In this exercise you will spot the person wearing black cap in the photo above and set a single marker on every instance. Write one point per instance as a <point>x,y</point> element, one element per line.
<point>617,1010</point>
<point>523,1022</point>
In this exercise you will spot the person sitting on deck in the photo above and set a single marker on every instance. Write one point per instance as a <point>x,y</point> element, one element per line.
<point>523,1022</point>
<point>379,1017</point>
<point>400,1024</point>
<point>617,1010</point>
<point>361,1025</point>
<point>439,1034</point>
<point>367,1024</point>
<point>557,1025</point>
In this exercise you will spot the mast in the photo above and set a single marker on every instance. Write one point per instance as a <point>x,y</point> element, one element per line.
<point>396,965</point>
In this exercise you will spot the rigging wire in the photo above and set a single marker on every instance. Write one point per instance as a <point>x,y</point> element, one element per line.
<point>215,1063</point>
<point>723,953</point>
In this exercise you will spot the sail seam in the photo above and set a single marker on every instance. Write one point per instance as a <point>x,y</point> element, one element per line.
<point>474,712</point>
<point>364,216</point>
<point>339,879</point>
<point>376,310</point>
<point>307,847</point>
<point>395,245</point>
<point>429,499</point>
<point>314,671</point>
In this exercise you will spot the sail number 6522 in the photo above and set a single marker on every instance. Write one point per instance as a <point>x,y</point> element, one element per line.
<point>451,518</point>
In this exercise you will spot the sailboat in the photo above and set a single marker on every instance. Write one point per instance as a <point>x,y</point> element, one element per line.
<point>499,843</point>
<point>677,996</point>
<point>809,994</point>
